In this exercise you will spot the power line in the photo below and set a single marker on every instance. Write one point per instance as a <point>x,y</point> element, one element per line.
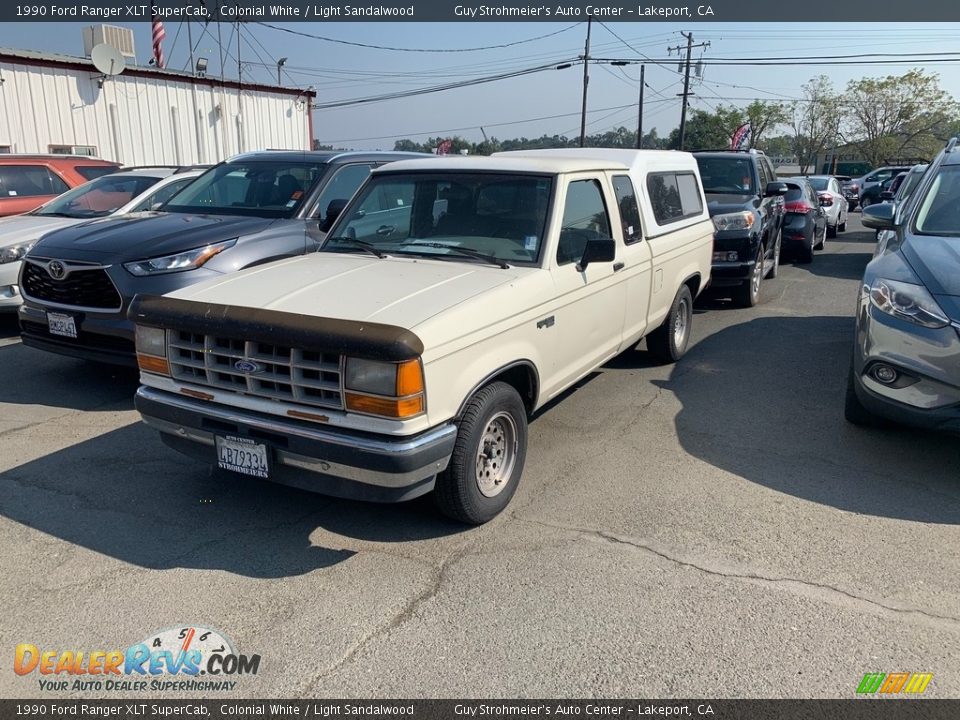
<point>417,50</point>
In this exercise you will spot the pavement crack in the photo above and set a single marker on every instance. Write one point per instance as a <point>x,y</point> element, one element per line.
<point>773,580</point>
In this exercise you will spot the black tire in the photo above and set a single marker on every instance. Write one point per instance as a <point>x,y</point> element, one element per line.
<point>842,227</point>
<point>853,409</point>
<point>748,294</point>
<point>851,206</point>
<point>458,492</point>
<point>777,256</point>
<point>865,202</point>
<point>669,342</point>
<point>831,232</point>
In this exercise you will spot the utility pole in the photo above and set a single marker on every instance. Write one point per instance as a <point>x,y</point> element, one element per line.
<point>640,115</point>
<point>586,82</point>
<point>686,83</point>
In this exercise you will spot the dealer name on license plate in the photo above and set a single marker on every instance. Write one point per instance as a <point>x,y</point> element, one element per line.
<point>243,456</point>
<point>61,324</point>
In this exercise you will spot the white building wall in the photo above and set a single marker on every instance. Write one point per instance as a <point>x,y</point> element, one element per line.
<point>143,120</point>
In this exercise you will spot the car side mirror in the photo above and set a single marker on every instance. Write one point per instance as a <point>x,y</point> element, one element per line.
<point>886,195</point>
<point>879,216</point>
<point>597,250</point>
<point>333,212</point>
<point>775,189</point>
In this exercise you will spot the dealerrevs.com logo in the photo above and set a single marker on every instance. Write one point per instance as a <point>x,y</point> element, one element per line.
<point>188,658</point>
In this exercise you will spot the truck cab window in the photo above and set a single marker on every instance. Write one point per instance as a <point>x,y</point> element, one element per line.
<point>584,218</point>
<point>629,210</point>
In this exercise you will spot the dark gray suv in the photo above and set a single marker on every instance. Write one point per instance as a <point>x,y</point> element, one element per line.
<point>77,283</point>
<point>906,356</point>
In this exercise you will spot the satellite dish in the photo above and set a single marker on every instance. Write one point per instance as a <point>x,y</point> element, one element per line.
<point>107,59</point>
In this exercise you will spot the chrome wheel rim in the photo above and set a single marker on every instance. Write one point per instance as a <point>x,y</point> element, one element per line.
<point>757,274</point>
<point>496,454</point>
<point>680,324</point>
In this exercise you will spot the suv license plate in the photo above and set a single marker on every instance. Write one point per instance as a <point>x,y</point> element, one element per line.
<point>242,456</point>
<point>61,324</point>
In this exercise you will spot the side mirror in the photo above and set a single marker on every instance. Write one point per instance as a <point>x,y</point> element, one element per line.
<point>333,212</point>
<point>879,216</point>
<point>597,250</point>
<point>775,189</point>
<point>886,195</point>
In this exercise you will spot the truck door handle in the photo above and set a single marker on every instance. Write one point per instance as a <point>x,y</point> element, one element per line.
<point>386,229</point>
<point>617,267</point>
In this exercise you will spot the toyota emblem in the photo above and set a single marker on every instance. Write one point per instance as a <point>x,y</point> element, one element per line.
<point>56,270</point>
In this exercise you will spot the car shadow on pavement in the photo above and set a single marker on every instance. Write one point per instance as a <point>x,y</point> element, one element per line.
<point>763,400</point>
<point>8,325</point>
<point>34,377</point>
<point>844,266</point>
<point>127,496</point>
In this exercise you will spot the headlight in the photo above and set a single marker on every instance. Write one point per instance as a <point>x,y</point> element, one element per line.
<point>189,260</point>
<point>908,302</point>
<point>151,345</point>
<point>389,389</point>
<point>15,252</point>
<point>734,221</point>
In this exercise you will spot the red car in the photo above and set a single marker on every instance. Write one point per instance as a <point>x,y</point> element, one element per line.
<point>28,181</point>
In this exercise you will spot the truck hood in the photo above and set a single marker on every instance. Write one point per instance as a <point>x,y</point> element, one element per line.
<point>395,291</point>
<point>720,203</point>
<point>936,261</point>
<point>137,236</point>
<point>26,228</point>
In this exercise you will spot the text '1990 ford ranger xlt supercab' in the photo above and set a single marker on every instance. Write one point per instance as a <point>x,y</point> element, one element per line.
<point>451,299</point>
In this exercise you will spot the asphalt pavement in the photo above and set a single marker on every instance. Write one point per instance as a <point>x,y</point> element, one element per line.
<point>711,529</point>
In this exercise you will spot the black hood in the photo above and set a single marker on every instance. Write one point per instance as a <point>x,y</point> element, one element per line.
<point>720,203</point>
<point>142,235</point>
<point>936,261</point>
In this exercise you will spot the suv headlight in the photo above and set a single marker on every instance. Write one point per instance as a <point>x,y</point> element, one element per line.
<point>15,252</point>
<point>189,260</point>
<point>908,302</point>
<point>388,389</point>
<point>734,221</point>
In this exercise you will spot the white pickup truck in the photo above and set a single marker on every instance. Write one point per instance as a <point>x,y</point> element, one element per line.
<point>451,299</point>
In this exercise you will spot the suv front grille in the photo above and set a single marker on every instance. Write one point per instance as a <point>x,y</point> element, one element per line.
<point>250,367</point>
<point>86,287</point>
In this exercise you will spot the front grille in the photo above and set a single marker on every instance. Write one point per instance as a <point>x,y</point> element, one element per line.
<point>88,287</point>
<point>279,373</point>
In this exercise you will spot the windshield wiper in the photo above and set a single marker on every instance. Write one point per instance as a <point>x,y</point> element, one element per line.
<point>60,214</point>
<point>365,246</point>
<point>466,252</point>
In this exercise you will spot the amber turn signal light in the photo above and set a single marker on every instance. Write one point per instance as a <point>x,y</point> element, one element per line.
<point>387,407</point>
<point>152,364</point>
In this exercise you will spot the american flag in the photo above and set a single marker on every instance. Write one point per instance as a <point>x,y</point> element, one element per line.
<point>158,35</point>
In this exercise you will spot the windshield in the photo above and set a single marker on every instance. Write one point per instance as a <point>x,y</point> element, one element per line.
<point>99,197</point>
<point>908,184</point>
<point>502,216</point>
<point>819,183</point>
<point>733,175</point>
<point>268,189</point>
<point>939,212</point>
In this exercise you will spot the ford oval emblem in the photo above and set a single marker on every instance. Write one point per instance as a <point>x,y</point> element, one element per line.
<point>246,366</point>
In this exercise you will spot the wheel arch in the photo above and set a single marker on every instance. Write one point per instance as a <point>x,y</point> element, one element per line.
<point>521,375</point>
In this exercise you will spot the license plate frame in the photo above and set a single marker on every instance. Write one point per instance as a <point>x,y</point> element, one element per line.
<point>62,325</point>
<point>243,456</point>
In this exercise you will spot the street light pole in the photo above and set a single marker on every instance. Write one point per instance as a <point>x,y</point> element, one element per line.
<point>586,82</point>
<point>280,63</point>
<point>640,114</point>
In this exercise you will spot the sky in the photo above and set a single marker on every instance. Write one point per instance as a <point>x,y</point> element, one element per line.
<point>546,102</point>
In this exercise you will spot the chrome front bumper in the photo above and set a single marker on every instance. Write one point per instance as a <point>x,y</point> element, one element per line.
<point>340,463</point>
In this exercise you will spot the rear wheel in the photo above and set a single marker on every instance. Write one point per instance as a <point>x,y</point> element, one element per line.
<point>487,458</point>
<point>823,238</point>
<point>842,227</point>
<point>669,342</point>
<point>805,253</point>
<point>832,230</point>
<point>748,294</point>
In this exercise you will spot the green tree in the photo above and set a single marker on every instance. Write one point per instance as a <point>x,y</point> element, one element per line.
<point>764,117</point>
<point>906,116</point>
<point>706,130</point>
<point>815,121</point>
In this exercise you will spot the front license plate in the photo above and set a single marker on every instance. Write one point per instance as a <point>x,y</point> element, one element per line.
<point>243,456</point>
<point>61,324</point>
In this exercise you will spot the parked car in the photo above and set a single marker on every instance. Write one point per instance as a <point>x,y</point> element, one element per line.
<point>899,192</point>
<point>805,222</point>
<point>451,299</point>
<point>28,181</point>
<point>832,201</point>
<point>875,193</point>
<point>118,193</point>
<point>850,188</point>
<point>78,282</point>
<point>868,196</point>
<point>745,202</point>
<point>906,354</point>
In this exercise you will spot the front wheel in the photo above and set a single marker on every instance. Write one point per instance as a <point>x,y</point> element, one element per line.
<point>487,458</point>
<point>748,294</point>
<point>669,342</point>
<point>775,270</point>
